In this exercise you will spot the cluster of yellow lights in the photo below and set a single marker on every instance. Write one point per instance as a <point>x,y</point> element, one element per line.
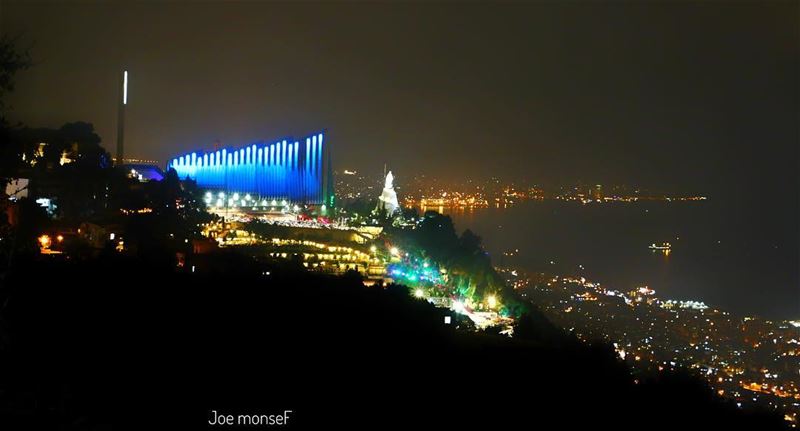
<point>766,388</point>
<point>334,252</point>
<point>136,211</point>
<point>454,200</point>
<point>45,242</point>
<point>586,296</point>
<point>587,200</point>
<point>140,161</point>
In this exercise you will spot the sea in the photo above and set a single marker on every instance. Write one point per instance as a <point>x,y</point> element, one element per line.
<point>739,263</point>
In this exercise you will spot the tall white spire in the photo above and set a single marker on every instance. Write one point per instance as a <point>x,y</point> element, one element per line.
<point>387,201</point>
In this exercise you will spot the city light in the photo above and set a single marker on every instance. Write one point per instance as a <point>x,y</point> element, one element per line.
<point>419,293</point>
<point>492,301</point>
<point>45,241</point>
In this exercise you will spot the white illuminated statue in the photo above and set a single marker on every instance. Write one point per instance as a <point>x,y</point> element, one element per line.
<point>388,198</point>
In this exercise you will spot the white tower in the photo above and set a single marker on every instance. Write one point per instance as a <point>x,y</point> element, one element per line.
<point>123,100</point>
<point>388,198</point>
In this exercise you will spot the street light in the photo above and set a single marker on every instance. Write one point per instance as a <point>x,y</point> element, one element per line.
<point>45,241</point>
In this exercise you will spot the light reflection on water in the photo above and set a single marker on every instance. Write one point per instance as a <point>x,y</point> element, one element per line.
<point>714,257</point>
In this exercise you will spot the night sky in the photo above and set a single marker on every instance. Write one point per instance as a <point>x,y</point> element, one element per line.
<point>690,96</point>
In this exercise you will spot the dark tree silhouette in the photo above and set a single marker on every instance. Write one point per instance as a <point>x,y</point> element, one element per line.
<point>89,353</point>
<point>12,60</point>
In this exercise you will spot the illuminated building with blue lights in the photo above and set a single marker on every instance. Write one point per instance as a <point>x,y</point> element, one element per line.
<point>292,172</point>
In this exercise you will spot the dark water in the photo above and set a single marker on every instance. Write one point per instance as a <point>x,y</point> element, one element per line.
<point>747,265</point>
